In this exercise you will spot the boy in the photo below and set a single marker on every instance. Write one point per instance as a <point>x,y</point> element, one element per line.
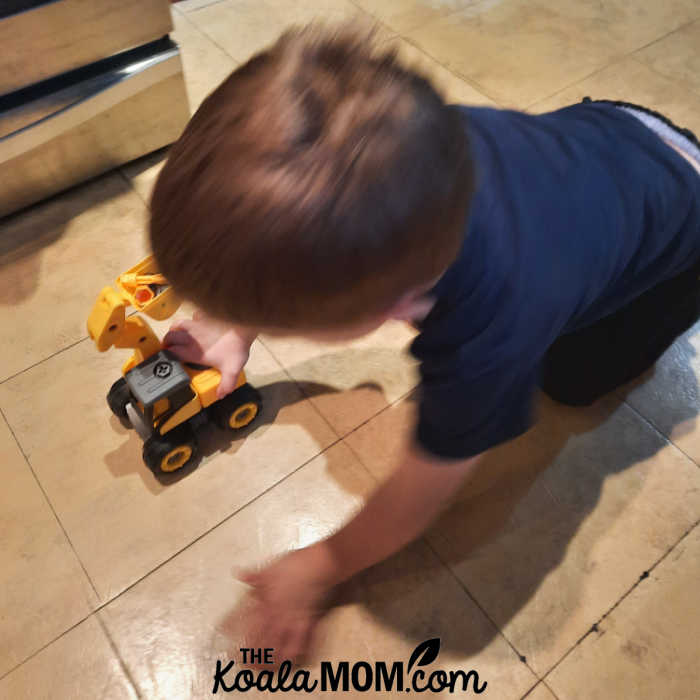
<point>323,189</point>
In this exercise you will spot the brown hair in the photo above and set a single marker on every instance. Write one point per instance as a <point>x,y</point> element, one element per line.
<point>314,187</point>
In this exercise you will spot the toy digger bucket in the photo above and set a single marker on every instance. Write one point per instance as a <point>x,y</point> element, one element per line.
<point>106,320</point>
<point>148,291</point>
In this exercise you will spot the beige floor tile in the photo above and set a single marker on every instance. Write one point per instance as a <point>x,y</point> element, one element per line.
<point>43,590</point>
<point>451,86</point>
<point>55,258</point>
<point>408,599</point>
<point>173,626</point>
<point>205,66</point>
<point>243,27</point>
<point>121,519</point>
<point>631,81</point>
<point>379,443</point>
<point>623,24</point>
<point>648,647</point>
<point>676,56</point>
<point>350,383</point>
<point>581,506</point>
<point>517,51</point>
<point>669,395</point>
<point>190,5</point>
<point>404,15</point>
<point>541,692</point>
<point>81,664</point>
<point>143,173</point>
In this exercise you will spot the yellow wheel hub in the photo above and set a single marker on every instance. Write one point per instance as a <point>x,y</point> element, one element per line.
<point>176,458</point>
<point>243,415</point>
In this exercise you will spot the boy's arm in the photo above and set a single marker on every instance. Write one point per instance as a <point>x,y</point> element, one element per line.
<point>396,513</point>
<point>290,592</point>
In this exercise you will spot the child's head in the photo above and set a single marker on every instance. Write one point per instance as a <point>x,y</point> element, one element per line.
<point>318,188</point>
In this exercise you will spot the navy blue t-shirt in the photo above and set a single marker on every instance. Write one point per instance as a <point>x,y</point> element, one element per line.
<point>575,213</point>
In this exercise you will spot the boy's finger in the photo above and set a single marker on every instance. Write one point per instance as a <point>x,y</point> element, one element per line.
<point>227,385</point>
<point>176,337</point>
<point>186,353</point>
<point>299,641</point>
<point>251,577</point>
<point>179,324</point>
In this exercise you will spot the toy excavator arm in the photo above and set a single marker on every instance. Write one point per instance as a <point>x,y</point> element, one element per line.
<point>144,288</point>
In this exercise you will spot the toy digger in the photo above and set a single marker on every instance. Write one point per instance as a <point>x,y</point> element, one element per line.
<point>164,399</point>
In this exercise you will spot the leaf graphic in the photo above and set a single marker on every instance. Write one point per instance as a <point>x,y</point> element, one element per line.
<point>429,649</point>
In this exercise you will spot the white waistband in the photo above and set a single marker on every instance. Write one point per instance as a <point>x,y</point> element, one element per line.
<point>667,133</point>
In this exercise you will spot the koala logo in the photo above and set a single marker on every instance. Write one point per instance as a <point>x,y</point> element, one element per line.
<point>162,369</point>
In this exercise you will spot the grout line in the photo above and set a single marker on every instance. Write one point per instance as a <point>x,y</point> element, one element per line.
<point>352,449</point>
<point>662,37</point>
<point>528,692</point>
<point>183,11</point>
<point>53,354</point>
<point>671,79</point>
<point>429,545</point>
<point>659,432</point>
<point>53,510</point>
<point>306,396</point>
<point>537,685</point>
<point>645,575</point>
<point>469,81</point>
<point>199,537</point>
<point>550,689</point>
<point>115,650</point>
<point>109,601</point>
<point>42,360</point>
<point>479,88</point>
<point>412,42</point>
<point>380,23</point>
<point>130,182</point>
<point>389,405</point>
<point>614,61</point>
<point>362,464</point>
<point>48,644</point>
<point>216,525</point>
<point>310,398</point>
<point>186,16</point>
<point>521,657</point>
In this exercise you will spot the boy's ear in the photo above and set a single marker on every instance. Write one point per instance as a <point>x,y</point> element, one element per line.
<point>413,306</point>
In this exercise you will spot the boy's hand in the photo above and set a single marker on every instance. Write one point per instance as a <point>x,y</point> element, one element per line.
<point>290,593</point>
<point>289,596</point>
<point>210,342</point>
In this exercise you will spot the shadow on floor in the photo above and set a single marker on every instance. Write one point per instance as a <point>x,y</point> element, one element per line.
<point>212,440</point>
<point>507,534</point>
<point>25,234</point>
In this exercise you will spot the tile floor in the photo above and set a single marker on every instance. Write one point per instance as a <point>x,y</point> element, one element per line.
<point>579,580</point>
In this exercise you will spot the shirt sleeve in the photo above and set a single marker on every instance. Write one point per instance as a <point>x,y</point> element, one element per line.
<point>462,414</point>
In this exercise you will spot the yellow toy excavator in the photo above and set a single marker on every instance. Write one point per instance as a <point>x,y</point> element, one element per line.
<point>164,399</point>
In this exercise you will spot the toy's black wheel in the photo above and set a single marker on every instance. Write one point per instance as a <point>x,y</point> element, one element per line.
<point>118,398</point>
<point>170,452</point>
<point>238,409</point>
